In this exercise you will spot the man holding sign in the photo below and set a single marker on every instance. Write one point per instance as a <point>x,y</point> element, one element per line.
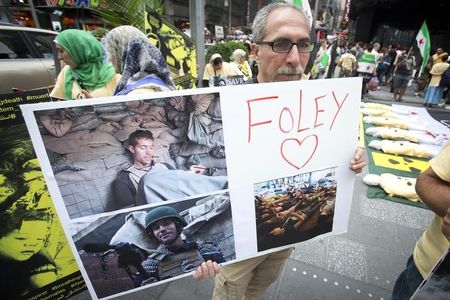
<point>282,48</point>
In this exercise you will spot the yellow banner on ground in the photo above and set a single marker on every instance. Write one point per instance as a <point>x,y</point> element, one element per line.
<point>401,163</point>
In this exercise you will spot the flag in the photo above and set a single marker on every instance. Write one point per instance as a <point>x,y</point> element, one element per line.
<point>304,6</point>
<point>424,44</point>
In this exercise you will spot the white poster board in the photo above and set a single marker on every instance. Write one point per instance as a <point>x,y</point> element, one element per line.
<point>274,160</point>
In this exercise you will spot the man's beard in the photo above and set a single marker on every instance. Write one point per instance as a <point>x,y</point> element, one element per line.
<point>289,71</point>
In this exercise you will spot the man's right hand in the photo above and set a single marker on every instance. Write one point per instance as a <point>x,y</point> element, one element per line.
<point>206,270</point>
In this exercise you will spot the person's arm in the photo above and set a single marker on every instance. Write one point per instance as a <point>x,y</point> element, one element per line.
<point>434,192</point>
<point>437,70</point>
<point>123,193</point>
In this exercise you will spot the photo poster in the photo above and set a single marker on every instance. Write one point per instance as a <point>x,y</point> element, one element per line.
<point>251,169</point>
<point>177,48</point>
<point>35,257</point>
<point>437,285</point>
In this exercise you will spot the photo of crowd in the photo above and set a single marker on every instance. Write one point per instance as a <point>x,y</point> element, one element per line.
<point>293,209</point>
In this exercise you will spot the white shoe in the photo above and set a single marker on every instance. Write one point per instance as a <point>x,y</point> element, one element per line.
<point>447,107</point>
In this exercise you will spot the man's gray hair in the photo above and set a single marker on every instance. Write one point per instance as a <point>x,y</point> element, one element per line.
<point>260,21</point>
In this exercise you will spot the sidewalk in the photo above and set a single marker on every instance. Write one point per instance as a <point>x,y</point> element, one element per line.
<point>384,96</point>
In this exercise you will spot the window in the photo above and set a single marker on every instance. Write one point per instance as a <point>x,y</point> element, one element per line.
<point>43,43</point>
<point>12,45</point>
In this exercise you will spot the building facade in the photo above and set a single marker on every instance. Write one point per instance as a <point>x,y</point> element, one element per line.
<point>63,14</point>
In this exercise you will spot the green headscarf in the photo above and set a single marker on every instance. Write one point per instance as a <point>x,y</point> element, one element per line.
<point>87,53</point>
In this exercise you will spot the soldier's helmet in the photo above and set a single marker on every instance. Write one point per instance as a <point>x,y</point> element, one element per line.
<point>162,212</point>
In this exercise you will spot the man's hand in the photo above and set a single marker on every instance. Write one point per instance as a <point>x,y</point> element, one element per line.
<point>359,160</point>
<point>206,270</point>
<point>446,225</point>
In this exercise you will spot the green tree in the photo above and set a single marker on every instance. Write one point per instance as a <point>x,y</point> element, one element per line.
<point>225,50</point>
<point>131,12</point>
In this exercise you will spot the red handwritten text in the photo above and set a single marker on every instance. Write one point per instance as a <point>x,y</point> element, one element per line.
<point>287,123</point>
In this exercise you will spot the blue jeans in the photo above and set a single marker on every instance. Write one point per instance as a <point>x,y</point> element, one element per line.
<point>408,282</point>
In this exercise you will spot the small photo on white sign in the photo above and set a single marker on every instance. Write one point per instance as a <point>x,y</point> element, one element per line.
<point>296,208</point>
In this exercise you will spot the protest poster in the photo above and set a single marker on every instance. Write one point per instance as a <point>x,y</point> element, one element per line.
<point>176,47</point>
<point>249,169</point>
<point>227,80</point>
<point>36,260</point>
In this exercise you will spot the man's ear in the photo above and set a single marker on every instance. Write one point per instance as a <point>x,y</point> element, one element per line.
<point>131,148</point>
<point>255,51</point>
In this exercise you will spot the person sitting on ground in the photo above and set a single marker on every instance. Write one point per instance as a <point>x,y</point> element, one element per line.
<point>124,187</point>
<point>218,68</point>
<point>238,58</point>
<point>148,182</point>
<point>86,74</point>
<point>141,64</point>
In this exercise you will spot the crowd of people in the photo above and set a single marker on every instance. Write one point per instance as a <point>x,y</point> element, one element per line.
<point>393,66</point>
<point>124,61</point>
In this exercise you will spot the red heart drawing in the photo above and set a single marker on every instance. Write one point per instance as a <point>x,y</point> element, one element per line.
<point>299,144</point>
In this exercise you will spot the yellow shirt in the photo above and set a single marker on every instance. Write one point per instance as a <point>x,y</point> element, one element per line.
<point>436,71</point>
<point>104,91</point>
<point>347,61</point>
<point>432,244</point>
<point>226,70</point>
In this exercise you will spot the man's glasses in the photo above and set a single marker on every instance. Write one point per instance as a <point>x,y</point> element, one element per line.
<point>285,46</point>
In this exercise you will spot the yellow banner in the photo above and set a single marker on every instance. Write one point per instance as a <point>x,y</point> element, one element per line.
<point>401,163</point>
<point>176,47</point>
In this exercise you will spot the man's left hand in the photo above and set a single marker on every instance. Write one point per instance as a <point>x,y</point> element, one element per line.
<point>359,160</point>
<point>206,270</point>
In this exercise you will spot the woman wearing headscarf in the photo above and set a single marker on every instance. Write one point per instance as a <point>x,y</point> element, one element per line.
<point>141,64</point>
<point>86,73</point>
<point>238,58</point>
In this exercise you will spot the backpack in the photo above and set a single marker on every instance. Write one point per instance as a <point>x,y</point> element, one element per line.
<point>445,79</point>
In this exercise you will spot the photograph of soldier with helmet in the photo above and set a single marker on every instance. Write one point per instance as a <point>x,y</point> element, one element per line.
<point>153,245</point>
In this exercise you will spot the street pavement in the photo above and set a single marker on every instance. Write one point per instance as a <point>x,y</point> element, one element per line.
<point>360,264</point>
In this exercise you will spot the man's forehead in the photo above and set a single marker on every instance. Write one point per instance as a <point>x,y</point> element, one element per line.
<point>144,140</point>
<point>286,18</point>
<point>164,220</point>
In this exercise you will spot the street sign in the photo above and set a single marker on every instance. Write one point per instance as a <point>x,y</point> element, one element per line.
<point>219,31</point>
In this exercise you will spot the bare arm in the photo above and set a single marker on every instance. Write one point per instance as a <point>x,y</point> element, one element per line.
<point>434,192</point>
